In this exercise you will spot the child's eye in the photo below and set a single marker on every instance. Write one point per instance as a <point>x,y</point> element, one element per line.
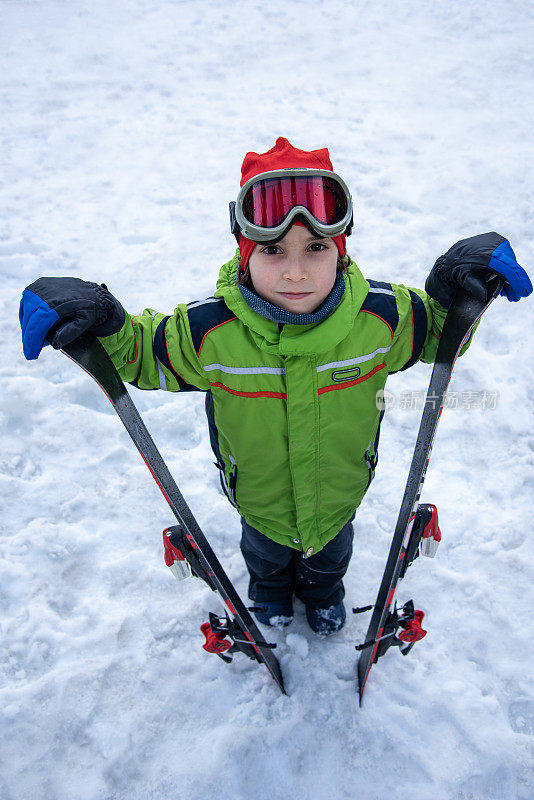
<point>317,247</point>
<point>271,250</point>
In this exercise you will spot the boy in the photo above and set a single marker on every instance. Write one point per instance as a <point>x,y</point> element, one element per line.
<point>291,352</point>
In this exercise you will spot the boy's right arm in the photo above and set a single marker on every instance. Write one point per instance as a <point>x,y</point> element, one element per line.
<point>155,351</point>
<point>61,309</point>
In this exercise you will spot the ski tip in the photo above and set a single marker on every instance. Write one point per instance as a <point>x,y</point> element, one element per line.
<point>272,664</point>
<point>360,691</point>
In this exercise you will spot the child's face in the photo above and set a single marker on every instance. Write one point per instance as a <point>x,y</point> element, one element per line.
<point>297,273</point>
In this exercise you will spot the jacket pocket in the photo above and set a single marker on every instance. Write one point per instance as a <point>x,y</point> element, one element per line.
<point>371,454</point>
<point>232,482</point>
<point>228,478</point>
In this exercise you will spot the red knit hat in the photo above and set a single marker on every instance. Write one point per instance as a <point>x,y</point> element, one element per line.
<point>282,156</point>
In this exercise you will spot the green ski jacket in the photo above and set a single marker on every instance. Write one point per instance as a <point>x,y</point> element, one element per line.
<point>292,409</point>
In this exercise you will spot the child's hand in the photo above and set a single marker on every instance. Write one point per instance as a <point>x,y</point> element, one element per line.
<point>470,262</point>
<point>70,307</point>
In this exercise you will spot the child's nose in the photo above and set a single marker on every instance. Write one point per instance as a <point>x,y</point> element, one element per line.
<point>295,269</point>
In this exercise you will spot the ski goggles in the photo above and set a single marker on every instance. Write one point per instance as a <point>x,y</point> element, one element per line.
<point>268,204</point>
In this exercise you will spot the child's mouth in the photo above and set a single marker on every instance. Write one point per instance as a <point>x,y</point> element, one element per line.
<point>295,295</point>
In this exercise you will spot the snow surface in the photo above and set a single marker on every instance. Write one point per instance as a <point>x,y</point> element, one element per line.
<point>123,126</point>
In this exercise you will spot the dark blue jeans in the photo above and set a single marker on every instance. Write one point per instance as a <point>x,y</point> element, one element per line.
<point>277,571</point>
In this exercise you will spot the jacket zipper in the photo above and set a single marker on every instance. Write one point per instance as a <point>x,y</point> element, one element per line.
<point>370,460</point>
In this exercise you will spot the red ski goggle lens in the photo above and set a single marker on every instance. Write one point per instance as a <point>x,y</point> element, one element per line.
<point>268,201</point>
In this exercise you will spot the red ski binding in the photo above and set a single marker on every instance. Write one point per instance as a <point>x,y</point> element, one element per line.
<point>215,641</point>
<point>431,536</point>
<point>409,620</point>
<point>412,632</point>
<point>174,558</point>
<point>425,536</point>
<point>216,631</point>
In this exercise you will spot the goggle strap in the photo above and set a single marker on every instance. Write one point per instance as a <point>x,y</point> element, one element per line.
<point>234,225</point>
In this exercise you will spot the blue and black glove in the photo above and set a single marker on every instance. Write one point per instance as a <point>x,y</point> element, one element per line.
<point>470,262</point>
<point>63,309</point>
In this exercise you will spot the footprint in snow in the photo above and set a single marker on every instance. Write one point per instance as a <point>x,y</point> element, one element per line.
<point>521,716</point>
<point>298,644</point>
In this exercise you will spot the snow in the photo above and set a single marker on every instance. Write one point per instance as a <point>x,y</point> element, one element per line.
<point>123,127</point>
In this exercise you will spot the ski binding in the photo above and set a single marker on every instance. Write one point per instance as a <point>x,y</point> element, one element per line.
<point>403,626</point>
<point>182,558</point>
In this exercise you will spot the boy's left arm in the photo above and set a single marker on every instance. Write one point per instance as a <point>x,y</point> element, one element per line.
<point>467,265</point>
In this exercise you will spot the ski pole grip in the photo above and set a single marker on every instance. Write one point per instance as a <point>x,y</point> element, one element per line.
<point>495,283</point>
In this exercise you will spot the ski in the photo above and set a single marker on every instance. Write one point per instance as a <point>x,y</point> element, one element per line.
<point>184,542</point>
<point>417,527</point>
